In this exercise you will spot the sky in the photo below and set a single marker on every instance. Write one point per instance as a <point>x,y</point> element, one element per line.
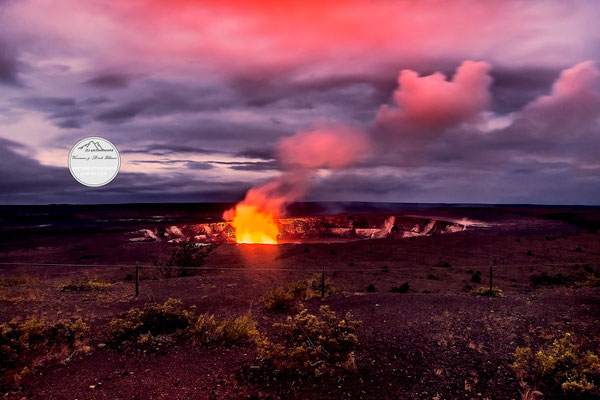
<point>463,101</point>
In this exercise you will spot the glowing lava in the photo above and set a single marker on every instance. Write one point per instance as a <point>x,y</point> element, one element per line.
<point>253,225</point>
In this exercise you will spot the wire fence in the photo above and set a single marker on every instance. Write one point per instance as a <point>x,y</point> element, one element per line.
<point>323,271</point>
<point>130,265</point>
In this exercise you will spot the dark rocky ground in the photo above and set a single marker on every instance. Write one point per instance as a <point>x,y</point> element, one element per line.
<point>436,340</point>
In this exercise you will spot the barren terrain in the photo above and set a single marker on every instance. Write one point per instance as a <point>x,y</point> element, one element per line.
<point>433,339</point>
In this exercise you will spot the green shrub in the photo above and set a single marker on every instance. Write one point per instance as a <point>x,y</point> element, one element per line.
<point>371,288</point>
<point>485,291</point>
<point>35,341</point>
<point>311,345</point>
<point>559,366</point>
<point>154,318</point>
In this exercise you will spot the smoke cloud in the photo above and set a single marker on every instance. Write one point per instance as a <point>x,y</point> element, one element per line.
<point>301,156</point>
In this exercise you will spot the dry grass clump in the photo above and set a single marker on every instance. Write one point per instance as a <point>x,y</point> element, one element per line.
<point>582,279</point>
<point>154,319</point>
<point>208,329</point>
<point>311,345</point>
<point>160,324</point>
<point>560,366</point>
<point>24,346</point>
<point>18,280</point>
<point>279,299</point>
<point>495,291</point>
<point>91,284</point>
<point>283,299</point>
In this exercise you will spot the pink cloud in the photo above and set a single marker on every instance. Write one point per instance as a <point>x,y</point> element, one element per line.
<point>328,147</point>
<point>225,37</point>
<point>433,102</point>
<point>572,107</point>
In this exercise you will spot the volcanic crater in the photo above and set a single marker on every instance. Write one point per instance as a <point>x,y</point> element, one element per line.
<point>315,229</point>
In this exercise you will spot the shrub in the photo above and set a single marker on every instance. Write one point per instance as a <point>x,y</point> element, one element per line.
<point>96,284</point>
<point>18,281</point>
<point>444,264</point>
<point>283,299</point>
<point>559,366</point>
<point>371,288</point>
<point>485,291</point>
<point>432,277</point>
<point>184,260</point>
<point>313,287</point>
<point>546,279</point>
<point>476,277</point>
<point>400,289</point>
<point>154,318</point>
<point>312,345</point>
<point>92,284</point>
<point>31,343</point>
<point>279,299</point>
<point>230,330</point>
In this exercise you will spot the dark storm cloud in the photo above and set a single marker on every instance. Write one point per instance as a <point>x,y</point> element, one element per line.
<point>110,81</point>
<point>165,162</point>
<point>265,154</point>
<point>24,176</point>
<point>208,133</point>
<point>334,97</point>
<point>26,181</point>
<point>249,166</point>
<point>155,98</point>
<point>168,149</point>
<point>65,112</point>
<point>124,112</point>
<point>256,166</point>
<point>463,184</point>
<point>92,101</point>
<point>9,65</point>
<point>513,88</point>
<point>198,165</point>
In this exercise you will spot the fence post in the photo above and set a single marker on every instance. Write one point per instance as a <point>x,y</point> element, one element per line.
<point>137,278</point>
<point>491,275</point>
<point>323,283</point>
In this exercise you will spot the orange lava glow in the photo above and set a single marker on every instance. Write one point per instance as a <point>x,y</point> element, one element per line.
<point>253,225</point>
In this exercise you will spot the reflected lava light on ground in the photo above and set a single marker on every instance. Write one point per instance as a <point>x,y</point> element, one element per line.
<point>253,225</point>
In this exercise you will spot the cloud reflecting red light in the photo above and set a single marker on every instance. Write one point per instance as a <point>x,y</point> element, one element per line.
<point>434,102</point>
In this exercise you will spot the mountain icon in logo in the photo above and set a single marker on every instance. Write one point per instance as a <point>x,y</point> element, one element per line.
<point>93,145</point>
